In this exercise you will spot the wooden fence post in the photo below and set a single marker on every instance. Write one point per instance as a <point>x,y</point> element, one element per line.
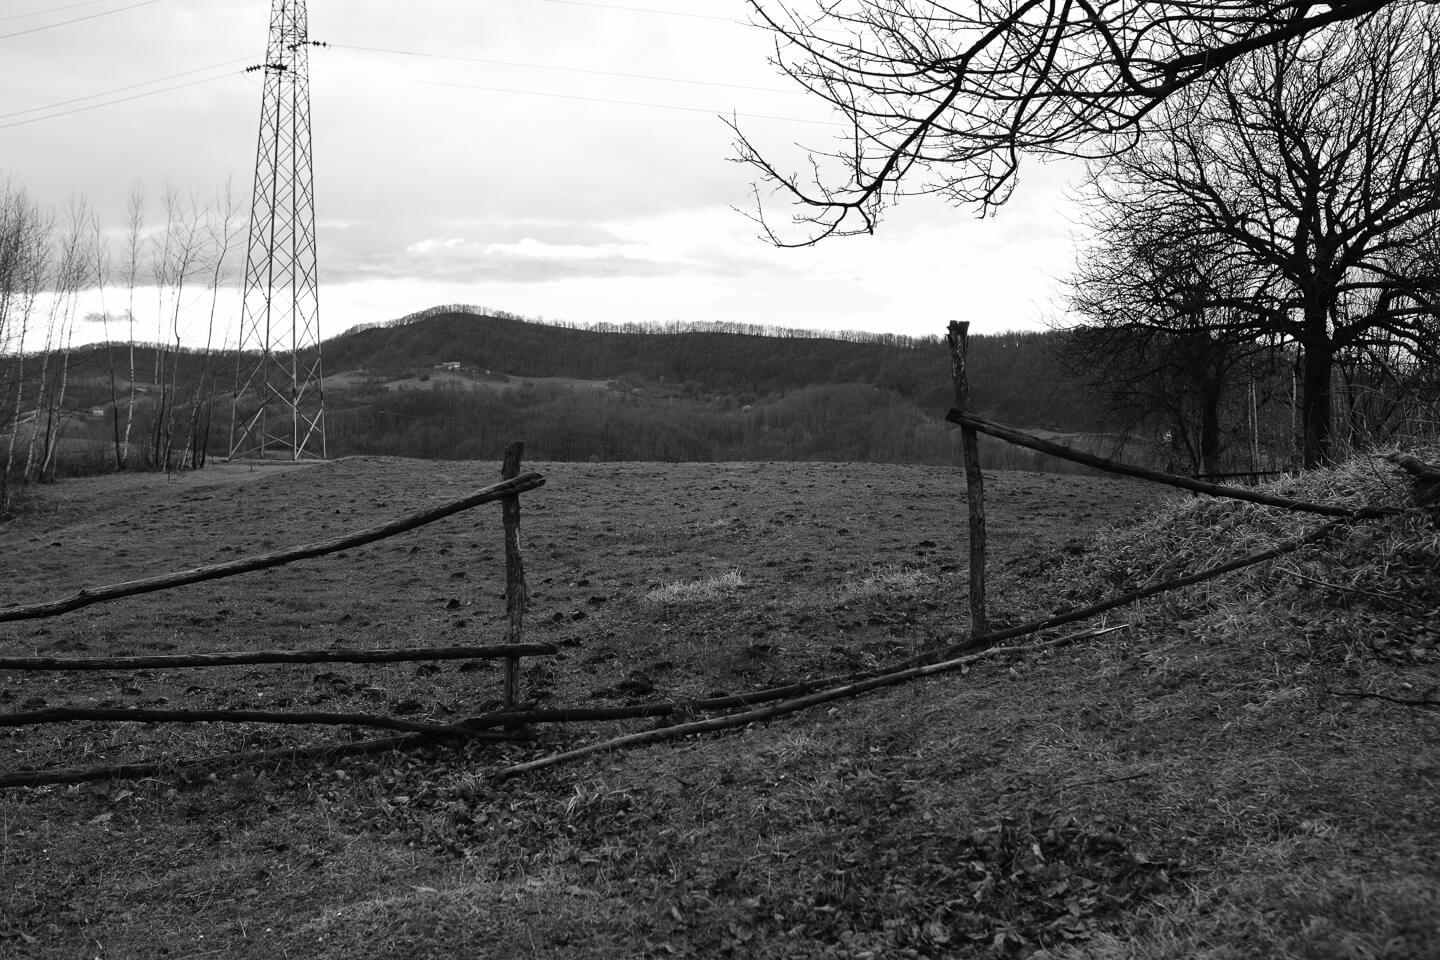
<point>958,337</point>
<point>516,592</point>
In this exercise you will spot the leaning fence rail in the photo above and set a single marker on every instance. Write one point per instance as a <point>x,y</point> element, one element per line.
<point>131,588</point>
<point>1000,432</point>
<point>508,492</point>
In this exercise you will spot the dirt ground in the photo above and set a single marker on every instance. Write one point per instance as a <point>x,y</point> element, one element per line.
<point>803,539</point>
<point>1073,802</point>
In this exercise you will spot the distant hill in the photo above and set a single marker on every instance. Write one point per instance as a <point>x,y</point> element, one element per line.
<point>1015,376</point>
<point>454,382</point>
<point>449,379</point>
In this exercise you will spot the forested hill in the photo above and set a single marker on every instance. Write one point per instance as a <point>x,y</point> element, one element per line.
<point>1015,377</point>
<point>452,383</point>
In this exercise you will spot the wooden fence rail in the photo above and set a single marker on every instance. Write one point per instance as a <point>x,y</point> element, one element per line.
<point>115,591</point>
<point>152,715</point>
<point>177,661</point>
<point>1018,438</point>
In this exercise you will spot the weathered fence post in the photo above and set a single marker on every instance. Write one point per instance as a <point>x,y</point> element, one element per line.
<point>516,593</point>
<point>958,337</point>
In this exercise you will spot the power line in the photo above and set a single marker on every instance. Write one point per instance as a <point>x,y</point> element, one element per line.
<point>363,76</point>
<point>88,16</point>
<point>569,96</point>
<point>45,13</point>
<point>111,103</point>
<point>546,66</point>
<point>132,86</point>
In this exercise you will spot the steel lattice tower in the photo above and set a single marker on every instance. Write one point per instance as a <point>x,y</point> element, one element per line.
<point>279,402</point>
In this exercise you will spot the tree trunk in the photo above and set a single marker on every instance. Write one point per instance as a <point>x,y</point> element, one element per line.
<point>1210,443</point>
<point>1315,405</point>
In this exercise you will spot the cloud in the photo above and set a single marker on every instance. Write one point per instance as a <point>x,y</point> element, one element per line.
<point>527,260</point>
<point>541,251</point>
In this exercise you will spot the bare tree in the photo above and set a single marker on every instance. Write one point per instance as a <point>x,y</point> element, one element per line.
<point>178,260</point>
<point>24,253</point>
<point>135,227</point>
<point>946,98</point>
<point>1154,345</point>
<point>100,266</point>
<point>1309,175</point>
<point>72,274</point>
<point>1185,388</point>
<point>222,226</point>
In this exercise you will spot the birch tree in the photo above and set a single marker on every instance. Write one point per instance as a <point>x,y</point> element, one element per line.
<point>24,241</point>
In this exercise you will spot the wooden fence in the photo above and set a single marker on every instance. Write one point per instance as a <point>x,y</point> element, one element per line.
<point>507,492</point>
<point>971,425</point>
<point>982,642</point>
<point>725,712</point>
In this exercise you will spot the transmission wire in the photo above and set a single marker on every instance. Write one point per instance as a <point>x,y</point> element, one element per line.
<point>111,103</point>
<point>66,23</point>
<point>131,86</point>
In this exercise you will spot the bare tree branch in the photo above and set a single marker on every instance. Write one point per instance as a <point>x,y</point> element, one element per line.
<point>947,99</point>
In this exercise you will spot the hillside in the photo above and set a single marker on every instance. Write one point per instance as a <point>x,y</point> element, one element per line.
<point>686,393</point>
<point>448,383</point>
<point>1016,376</point>
<point>1246,769</point>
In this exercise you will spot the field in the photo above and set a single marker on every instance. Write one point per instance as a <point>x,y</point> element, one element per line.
<point>1190,786</point>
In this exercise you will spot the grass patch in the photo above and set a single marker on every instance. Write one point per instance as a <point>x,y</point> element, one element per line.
<point>697,591</point>
<point>898,580</point>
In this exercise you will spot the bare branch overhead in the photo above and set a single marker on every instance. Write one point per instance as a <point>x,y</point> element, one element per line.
<point>945,99</point>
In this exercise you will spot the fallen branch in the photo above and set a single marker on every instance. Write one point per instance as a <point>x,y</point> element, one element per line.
<point>1363,695</point>
<point>986,640</point>
<point>115,591</point>
<point>150,768</point>
<point>786,707</point>
<point>661,709</point>
<point>1374,594</point>
<point>658,708</point>
<point>1085,613</point>
<point>1185,483</point>
<point>1105,780</point>
<point>169,662</point>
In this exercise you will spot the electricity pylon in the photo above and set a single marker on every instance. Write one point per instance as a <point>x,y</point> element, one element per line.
<point>278,407</point>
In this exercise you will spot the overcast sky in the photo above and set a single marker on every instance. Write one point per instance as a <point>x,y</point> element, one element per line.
<point>487,153</point>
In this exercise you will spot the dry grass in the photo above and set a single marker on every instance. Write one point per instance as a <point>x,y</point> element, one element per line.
<point>1190,787</point>
<point>700,591</point>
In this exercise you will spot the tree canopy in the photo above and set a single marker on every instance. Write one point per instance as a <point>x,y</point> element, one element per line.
<point>946,98</point>
<point>1299,201</point>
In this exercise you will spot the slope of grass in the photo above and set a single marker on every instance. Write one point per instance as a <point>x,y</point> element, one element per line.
<point>1221,779</point>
